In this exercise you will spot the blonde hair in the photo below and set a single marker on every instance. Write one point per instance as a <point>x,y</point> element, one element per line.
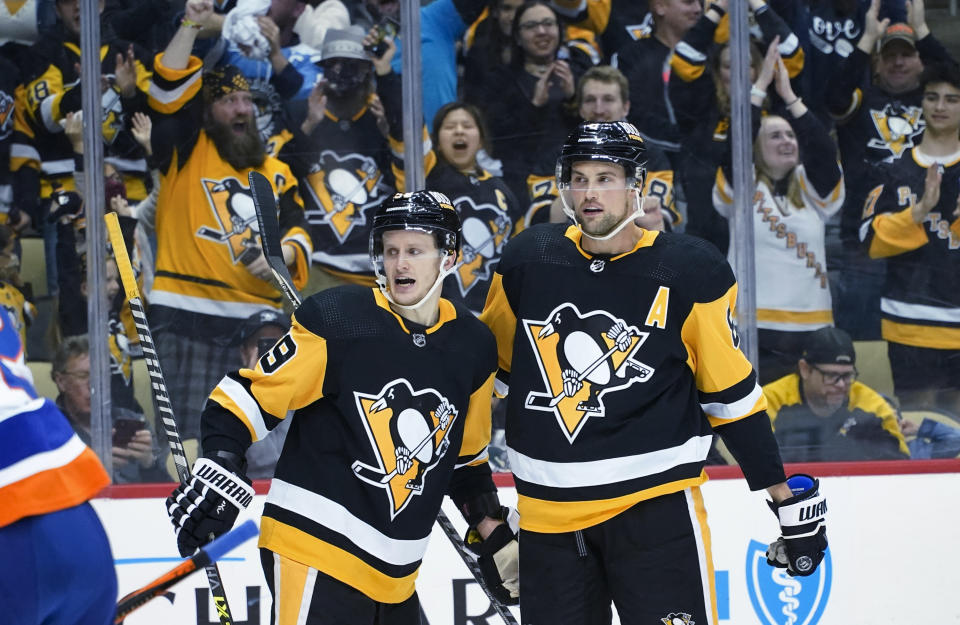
<point>760,165</point>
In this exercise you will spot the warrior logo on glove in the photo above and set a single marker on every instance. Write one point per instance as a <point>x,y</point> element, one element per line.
<point>803,527</point>
<point>582,357</point>
<point>410,432</point>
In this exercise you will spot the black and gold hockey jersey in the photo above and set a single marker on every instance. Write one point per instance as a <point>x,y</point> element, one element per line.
<point>617,368</point>
<point>864,429</point>
<point>344,174</point>
<point>873,125</point>
<point>488,211</point>
<point>51,90</point>
<point>385,412</point>
<point>205,214</point>
<point>920,305</point>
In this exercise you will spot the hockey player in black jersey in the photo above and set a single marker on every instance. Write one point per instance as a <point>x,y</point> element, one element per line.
<point>608,467</point>
<point>390,390</point>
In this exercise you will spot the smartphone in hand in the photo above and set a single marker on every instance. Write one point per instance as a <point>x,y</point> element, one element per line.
<point>124,430</point>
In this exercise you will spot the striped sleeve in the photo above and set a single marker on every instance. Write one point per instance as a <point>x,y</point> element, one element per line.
<point>724,377</point>
<point>288,377</point>
<point>171,89</point>
<point>44,466</point>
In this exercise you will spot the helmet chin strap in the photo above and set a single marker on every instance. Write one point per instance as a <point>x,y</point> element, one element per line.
<point>382,283</point>
<point>636,214</point>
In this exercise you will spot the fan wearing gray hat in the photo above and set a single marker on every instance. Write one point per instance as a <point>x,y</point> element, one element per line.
<point>821,413</point>
<point>341,154</point>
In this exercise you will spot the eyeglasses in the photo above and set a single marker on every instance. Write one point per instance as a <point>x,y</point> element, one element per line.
<point>80,375</point>
<point>831,377</point>
<point>546,23</point>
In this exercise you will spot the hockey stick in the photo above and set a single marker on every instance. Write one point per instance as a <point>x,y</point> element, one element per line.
<point>209,553</point>
<point>161,401</point>
<point>266,207</point>
<point>536,401</point>
<point>365,472</point>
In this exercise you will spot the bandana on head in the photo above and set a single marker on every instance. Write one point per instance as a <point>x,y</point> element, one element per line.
<point>223,80</point>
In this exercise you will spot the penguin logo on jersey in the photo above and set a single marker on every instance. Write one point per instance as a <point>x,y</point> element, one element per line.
<point>409,433</point>
<point>897,127</point>
<point>582,357</point>
<point>344,189</point>
<point>6,115</point>
<point>232,206</point>
<point>678,618</point>
<point>486,229</point>
<point>113,115</point>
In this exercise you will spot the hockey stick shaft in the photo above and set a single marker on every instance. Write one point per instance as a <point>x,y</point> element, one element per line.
<point>161,401</point>
<point>207,554</point>
<point>386,477</point>
<point>265,205</point>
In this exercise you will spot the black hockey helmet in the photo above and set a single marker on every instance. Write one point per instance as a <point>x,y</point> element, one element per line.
<point>615,142</point>
<point>429,211</point>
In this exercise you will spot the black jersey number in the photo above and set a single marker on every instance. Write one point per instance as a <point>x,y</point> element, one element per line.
<point>280,355</point>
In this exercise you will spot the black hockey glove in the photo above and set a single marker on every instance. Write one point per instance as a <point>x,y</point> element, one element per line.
<point>499,558</point>
<point>207,505</point>
<point>802,523</point>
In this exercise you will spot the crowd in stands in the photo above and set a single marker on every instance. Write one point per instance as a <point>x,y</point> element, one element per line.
<point>856,204</point>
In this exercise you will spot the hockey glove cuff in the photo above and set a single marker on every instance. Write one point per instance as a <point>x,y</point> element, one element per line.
<point>499,558</point>
<point>207,505</point>
<point>802,525</point>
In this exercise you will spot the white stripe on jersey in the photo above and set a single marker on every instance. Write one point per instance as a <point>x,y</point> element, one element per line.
<point>337,518</point>
<point>735,410</point>
<point>43,461</point>
<point>607,470</point>
<point>246,403</point>
<point>919,311</point>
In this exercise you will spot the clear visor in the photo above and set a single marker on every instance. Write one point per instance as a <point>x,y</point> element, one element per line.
<point>578,195</point>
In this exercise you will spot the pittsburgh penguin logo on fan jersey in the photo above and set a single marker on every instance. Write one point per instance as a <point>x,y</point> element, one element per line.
<point>582,358</point>
<point>6,115</point>
<point>344,189</point>
<point>486,229</point>
<point>897,127</point>
<point>409,433</point>
<point>232,205</point>
<point>114,118</point>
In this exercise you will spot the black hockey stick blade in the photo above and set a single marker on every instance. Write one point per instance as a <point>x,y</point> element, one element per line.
<point>161,400</point>
<point>208,554</point>
<point>265,204</point>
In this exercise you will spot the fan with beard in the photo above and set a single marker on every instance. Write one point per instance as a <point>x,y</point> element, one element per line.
<point>240,149</point>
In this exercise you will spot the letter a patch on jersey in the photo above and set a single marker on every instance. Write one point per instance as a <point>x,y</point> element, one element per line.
<point>582,358</point>
<point>409,433</point>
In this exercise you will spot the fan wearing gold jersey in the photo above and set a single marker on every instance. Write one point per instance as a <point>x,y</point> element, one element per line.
<point>210,274</point>
<point>620,351</point>
<point>390,389</point>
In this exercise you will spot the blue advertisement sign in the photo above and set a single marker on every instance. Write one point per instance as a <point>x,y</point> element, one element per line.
<point>778,598</point>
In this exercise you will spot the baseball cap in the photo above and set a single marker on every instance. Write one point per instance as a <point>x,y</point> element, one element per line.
<point>899,32</point>
<point>829,346</point>
<point>259,320</point>
<point>343,44</point>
